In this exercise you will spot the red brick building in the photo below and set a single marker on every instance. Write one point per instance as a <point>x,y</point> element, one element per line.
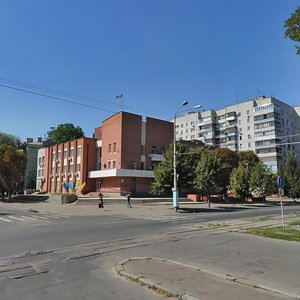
<point>68,163</point>
<point>119,158</point>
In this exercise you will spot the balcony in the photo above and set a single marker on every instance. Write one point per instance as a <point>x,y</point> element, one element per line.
<point>265,137</point>
<point>157,157</point>
<point>121,173</point>
<point>205,121</point>
<point>231,118</point>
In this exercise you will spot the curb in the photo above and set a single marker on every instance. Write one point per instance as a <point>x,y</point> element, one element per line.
<point>173,293</point>
<point>150,284</point>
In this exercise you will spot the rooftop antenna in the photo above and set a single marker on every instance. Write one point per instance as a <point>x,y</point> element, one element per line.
<point>237,98</point>
<point>258,93</point>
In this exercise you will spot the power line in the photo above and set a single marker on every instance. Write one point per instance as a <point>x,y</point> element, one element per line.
<point>55,98</point>
<point>38,90</point>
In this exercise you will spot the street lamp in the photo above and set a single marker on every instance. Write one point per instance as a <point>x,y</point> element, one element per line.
<point>174,189</point>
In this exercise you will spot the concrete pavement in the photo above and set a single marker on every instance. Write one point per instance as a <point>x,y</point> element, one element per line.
<point>174,279</point>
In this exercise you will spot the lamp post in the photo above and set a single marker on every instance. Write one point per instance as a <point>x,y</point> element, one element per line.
<point>174,189</point>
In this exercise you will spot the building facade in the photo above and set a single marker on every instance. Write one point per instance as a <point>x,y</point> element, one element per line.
<point>264,125</point>
<point>130,147</point>
<point>65,166</point>
<point>120,157</point>
<point>30,176</point>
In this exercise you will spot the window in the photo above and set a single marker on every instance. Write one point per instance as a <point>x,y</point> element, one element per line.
<point>248,128</point>
<point>65,169</point>
<point>65,153</point>
<point>72,152</point>
<point>114,164</point>
<point>53,156</point>
<point>109,164</point>
<point>98,152</point>
<point>143,149</point>
<point>249,145</point>
<point>109,148</point>
<point>59,155</point>
<point>248,119</point>
<point>78,151</point>
<point>39,173</point>
<point>248,112</point>
<point>249,136</point>
<point>153,150</point>
<point>114,147</point>
<point>78,168</point>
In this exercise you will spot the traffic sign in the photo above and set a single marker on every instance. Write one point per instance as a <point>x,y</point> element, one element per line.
<point>280,182</point>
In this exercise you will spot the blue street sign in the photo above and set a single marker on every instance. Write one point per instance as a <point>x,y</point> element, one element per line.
<point>280,182</point>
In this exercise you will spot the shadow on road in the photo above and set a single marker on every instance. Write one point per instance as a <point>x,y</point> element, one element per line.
<point>208,210</point>
<point>27,199</point>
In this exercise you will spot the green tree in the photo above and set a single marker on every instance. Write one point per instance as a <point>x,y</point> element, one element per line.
<point>9,139</point>
<point>291,175</point>
<point>239,181</point>
<point>292,26</point>
<point>248,158</point>
<point>228,161</point>
<point>12,168</point>
<point>64,132</point>
<point>207,173</point>
<point>2,191</point>
<point>163,173</point>
<point>262,181</point>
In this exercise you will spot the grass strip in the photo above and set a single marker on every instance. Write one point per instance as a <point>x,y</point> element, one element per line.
<point>288,234</point>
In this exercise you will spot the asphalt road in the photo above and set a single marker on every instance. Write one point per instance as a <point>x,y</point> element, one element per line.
<point>40,232</point>
<point>73,272</point>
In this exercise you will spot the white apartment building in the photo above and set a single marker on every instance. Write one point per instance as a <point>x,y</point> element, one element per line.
<point>265,125</point>
<point>40,178</point>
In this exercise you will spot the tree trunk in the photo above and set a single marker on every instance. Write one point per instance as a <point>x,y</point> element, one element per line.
<point>208,199</point>
<point>9,196</point>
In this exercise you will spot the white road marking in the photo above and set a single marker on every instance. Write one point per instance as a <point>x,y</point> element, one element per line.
<point>40,217</point>
<point>53,217</point>
<point>29,218</point>
<point>16,218</point>
<point>6,220</point>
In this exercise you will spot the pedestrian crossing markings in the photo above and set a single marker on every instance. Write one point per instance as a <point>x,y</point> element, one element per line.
<point>172,219</point>
<point>10,219</point>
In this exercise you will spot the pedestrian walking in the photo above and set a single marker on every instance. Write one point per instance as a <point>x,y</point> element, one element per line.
<point>128,196</point>
<point>101,203</point>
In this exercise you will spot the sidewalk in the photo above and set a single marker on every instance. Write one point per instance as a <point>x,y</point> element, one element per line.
<point>118,208</point>
<point>173,279</point>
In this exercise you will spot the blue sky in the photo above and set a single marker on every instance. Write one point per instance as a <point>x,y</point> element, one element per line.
<point>154,52</point>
